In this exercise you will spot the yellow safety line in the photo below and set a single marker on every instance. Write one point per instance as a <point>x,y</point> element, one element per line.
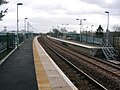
<point>42,80</point>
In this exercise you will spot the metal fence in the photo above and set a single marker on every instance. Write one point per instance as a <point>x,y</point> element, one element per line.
<point>8,41</point>
<point>90,39</point>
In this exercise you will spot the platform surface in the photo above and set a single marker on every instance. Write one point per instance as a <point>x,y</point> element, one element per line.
<point>30,68</point>
<point>18,72</point>
<point>79,44</point>
<point>114,61</point>
<point>48,72</point>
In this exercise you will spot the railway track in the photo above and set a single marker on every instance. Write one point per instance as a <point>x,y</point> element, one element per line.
<point>77,76</point>
<point>109,67</point>
<point>106,74</point>
<point>86,55</point>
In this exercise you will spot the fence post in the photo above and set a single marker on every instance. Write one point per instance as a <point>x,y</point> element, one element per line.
<point>7,41</point>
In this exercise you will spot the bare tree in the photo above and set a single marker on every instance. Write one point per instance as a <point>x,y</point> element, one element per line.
<point>116,28</point>
<point>3,2</point>
<point>2,13</point>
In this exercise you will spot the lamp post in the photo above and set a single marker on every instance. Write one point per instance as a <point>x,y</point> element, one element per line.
<point>81,28</point>
<point>17,24</point>
<point>81,23</point>
<point>86,33</point>
<point>25,27</point>
<point>92,33</point>
<point>107,30</point>
<point>91,29</point>
<point>28,29</point>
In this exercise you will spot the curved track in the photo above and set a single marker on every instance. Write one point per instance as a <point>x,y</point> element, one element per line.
<point>106,66</point>
<point>101,72</point>
<point>75,74</point>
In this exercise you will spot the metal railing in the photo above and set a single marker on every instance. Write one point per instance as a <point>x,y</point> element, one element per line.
<point>108,51</point>
<point>8,42</point>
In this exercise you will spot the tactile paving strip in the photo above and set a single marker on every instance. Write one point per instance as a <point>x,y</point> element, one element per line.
<point>42,80</point>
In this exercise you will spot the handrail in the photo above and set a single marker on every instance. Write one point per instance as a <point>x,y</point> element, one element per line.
<point>108,51</point>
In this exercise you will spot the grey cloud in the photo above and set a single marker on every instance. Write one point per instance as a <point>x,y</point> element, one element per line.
<point>52,20</point>
<point>113,8</point>
<point>49,7</point>
<point>114,5</point>
<point>83,12</point>
<point>100,2</point>
<point>46,23</point>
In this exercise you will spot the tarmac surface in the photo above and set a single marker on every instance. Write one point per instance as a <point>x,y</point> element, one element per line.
<point>18,71</point>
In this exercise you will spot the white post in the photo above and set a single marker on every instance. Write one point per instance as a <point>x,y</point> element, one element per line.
<point>17,25</point>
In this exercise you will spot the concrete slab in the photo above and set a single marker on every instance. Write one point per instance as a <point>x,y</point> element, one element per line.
<point>78,44</point>
<point>114,61</point>
<point>62,88</point>
<point>56,78</point>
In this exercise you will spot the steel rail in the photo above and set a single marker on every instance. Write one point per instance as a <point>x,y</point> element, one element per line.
<point>106,62</point>
<point>75,67</point>
<point>108,70</point>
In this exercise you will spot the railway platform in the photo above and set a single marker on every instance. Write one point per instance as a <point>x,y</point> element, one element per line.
<point>18,72</point>
<point>86,48</point>
<point>49,75</point>
<point>91,50</point>
<point>78,44</point>
<point>30,68</point>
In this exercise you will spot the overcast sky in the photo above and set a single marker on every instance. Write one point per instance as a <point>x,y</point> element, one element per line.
<point>43,14</point>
